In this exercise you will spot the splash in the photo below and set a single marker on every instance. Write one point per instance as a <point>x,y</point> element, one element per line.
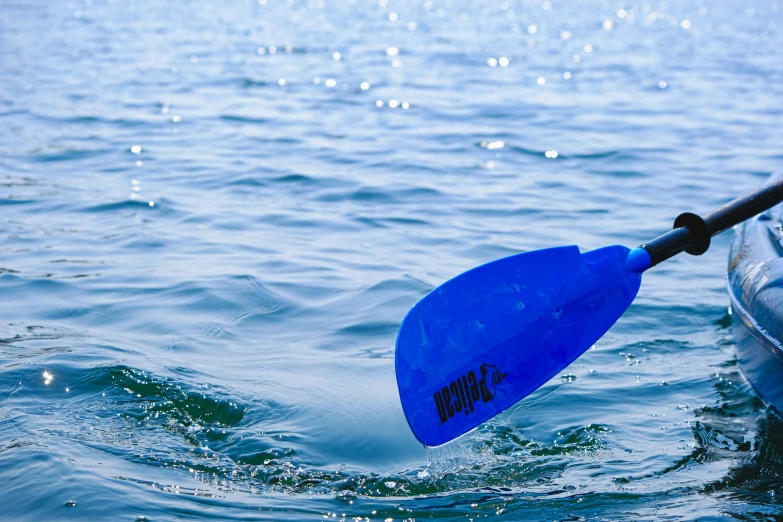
<point>468,452</point>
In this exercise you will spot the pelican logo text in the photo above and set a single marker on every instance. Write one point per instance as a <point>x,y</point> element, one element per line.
<point>465,391</point>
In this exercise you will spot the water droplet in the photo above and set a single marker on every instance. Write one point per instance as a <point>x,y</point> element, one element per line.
<point>336,56</point>
<point>685,24</point>
<point>661,84</point>
<point>532,29</point>
<point>492,62</point>
<point>503,61</point>
<point>281,82</point>
<point>541,80</point>
<point>608,25</point>
<point>364,86</point>
<point>136,149</point>
<point>393,17</point>
<point>330,82</point>
<point>567,75</point>
<point>392,51</point>
<point>346,496</point>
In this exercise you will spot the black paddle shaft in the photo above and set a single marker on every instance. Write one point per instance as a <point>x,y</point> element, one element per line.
<point>692,233</point>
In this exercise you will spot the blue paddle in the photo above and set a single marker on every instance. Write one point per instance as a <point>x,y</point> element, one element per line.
<point>482,341</point>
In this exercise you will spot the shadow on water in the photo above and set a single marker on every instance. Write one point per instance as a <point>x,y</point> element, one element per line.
<point>757,478</point>
<point>739,429</point>
<point>756,475</point>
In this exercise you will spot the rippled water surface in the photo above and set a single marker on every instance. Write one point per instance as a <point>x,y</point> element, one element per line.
<point>214,216</point>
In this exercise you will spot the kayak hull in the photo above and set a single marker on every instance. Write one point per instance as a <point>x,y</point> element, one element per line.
<point>755,284</point>
<point>760,357</point>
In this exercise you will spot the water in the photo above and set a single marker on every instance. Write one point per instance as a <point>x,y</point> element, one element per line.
<point>212,226</point>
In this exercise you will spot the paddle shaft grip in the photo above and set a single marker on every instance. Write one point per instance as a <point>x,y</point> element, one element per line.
<point>692,233</point>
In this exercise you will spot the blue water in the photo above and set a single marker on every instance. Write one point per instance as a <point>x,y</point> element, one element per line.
<point>211,225</point>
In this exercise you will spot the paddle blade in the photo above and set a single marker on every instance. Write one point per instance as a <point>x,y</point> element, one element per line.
<point>482,341</point>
